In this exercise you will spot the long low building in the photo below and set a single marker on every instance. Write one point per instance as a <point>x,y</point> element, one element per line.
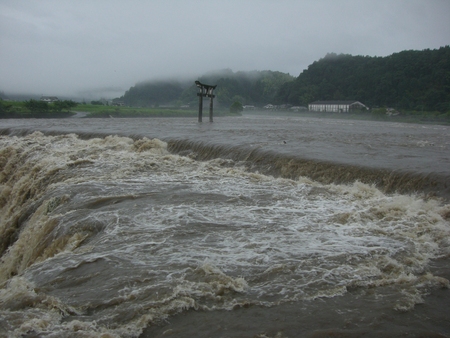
<point>49,99</point>
<point>336,106</point>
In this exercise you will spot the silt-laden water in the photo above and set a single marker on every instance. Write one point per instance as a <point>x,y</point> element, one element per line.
<point>247,227</point>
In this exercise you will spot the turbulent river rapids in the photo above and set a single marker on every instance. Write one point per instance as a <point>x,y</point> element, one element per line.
<point>250,226</point>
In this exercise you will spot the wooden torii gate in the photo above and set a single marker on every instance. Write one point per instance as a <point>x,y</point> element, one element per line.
<point>205,91</point>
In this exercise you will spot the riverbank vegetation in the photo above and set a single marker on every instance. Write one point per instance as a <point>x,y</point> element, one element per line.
<point>63,109</point>
<point>23,110</point>
<point>37,109</point>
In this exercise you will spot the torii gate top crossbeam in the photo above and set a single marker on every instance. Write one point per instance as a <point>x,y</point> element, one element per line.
<point>205,90</point>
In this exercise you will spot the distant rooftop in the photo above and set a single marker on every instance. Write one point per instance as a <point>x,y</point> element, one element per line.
<point>49,98</point>
<point>334,102</point>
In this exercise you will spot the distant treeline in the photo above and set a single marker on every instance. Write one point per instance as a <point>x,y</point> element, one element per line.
<point>36,109</point>
<point>252,88</point>
<point>410,80</point>
<point>413,81</point>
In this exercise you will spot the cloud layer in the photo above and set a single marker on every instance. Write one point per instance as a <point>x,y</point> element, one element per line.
<point>105,46</point>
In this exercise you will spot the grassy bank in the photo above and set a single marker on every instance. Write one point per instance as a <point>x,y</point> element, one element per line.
<point>21,110</point>
<point>10,109</point>
<point>113,111</point>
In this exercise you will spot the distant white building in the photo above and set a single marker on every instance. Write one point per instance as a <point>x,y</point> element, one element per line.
<point>49,99</point>
<point>336,106</point>
<point>297,108</point>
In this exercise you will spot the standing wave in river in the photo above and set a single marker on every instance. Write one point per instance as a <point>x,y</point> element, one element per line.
<point>118,237</point>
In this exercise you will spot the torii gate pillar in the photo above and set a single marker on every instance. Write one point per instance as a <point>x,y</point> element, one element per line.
<point>205,91</point>
<point>200,107</point>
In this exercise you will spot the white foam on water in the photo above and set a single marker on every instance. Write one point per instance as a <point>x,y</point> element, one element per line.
<point>123,234</point>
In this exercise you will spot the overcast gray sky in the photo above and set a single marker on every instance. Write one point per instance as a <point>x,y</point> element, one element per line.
<point>71,47</point>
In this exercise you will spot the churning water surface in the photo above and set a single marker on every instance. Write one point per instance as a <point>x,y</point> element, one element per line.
<point>247,227</point>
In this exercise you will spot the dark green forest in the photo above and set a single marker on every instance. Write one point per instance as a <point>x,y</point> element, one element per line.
<point>251,88</point>
<point>409,80</point>
<point>148,94</point>
<point>36,109</point>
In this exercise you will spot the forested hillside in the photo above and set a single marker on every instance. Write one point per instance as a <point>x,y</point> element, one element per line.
<point>248,88</point>
<point>414,80</point>
<point>251,88</point>
<point>409,80</point>
<point>147,94</point>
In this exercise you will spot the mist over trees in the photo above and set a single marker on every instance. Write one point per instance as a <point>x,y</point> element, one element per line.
<point>408,80</point>
<point>248,88</point>
<point>253,88</point>
<point>412,80</point>
<point>149,94</point>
